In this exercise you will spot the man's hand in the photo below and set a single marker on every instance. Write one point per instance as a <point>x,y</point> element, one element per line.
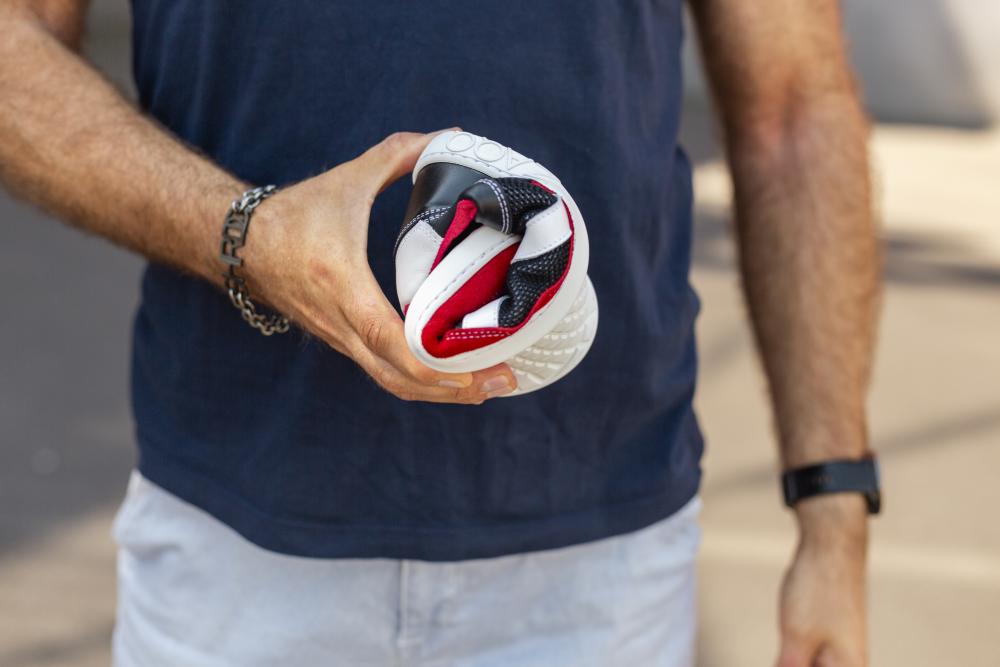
<point>307,257</point>
<point>822,607</point>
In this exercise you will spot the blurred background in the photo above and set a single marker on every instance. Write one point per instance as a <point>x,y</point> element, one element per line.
<point>931,76</point>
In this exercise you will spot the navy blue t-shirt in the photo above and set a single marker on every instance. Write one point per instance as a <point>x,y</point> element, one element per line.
<point>291,444</point>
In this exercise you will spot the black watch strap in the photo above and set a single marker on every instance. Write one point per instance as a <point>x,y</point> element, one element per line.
<point>840,476</point>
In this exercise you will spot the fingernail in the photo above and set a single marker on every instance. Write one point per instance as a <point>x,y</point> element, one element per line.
<point>451,383</point>
<point>500,392</point>
<point>496,383</point>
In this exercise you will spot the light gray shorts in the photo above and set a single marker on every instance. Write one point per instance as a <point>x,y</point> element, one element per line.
<point>193,593</point>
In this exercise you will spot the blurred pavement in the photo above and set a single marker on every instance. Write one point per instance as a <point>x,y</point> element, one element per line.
<point>66,443</point>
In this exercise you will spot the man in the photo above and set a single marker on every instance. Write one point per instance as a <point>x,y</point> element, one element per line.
<point>288,510</point>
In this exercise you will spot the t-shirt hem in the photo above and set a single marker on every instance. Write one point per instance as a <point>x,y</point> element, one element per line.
<point>318,539</point>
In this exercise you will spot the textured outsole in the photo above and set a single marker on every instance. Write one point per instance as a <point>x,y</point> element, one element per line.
<point>558,352</point>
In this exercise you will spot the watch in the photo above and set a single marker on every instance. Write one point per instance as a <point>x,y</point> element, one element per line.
<point>837,476</point>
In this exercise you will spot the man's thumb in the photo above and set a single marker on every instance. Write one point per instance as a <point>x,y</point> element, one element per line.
<point>393,157</point>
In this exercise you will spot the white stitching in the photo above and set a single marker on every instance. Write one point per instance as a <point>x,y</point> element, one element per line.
<point>543,214</point>
<point>555,244</point>
<point>457,333</point>
<point>503,202</point>
<point>541,252</point>
<point>440,214</point>
<point>431,210</point>
<point>429,234</point>
<point>429,214</point>
<point>408,227</point>
<point>433,305</point>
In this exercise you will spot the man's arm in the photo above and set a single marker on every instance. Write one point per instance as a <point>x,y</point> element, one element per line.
<point>796,138</point>
<point>72,144</point>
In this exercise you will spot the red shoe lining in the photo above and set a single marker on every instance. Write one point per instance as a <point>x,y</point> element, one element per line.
<point>440,336</point>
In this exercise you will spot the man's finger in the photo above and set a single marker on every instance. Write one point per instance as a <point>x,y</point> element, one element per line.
<point>393,157</point>
<point>496,381</point>
<point>389,344</point>
<point>400,385</point>
<point>490,383</point>
<point>381,331</point>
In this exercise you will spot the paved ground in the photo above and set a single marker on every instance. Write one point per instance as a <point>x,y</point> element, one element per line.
<point>65,432</point>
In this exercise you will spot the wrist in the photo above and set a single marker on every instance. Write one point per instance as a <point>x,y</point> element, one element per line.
<point>212,208</point>
<point>267,254</point>
<point>836,521</point>
<point>808,444</point>
<point>232,244</point>
<point>265,243</point>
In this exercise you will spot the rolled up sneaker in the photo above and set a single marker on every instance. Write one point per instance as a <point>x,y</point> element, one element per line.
<point>491,264</point>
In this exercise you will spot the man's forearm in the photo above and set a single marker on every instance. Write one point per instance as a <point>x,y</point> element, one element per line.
<point>70,143</point>
<point>809,257</point>
<point>796,139</point>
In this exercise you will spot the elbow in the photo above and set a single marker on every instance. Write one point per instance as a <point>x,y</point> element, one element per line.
<point>798,121</point>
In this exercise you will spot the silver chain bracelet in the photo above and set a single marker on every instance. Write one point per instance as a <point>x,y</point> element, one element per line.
<point>234,236</point>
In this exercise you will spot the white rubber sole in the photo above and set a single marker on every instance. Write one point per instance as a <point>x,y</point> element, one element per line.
<point>558,352</point>
<point>558,335</point>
